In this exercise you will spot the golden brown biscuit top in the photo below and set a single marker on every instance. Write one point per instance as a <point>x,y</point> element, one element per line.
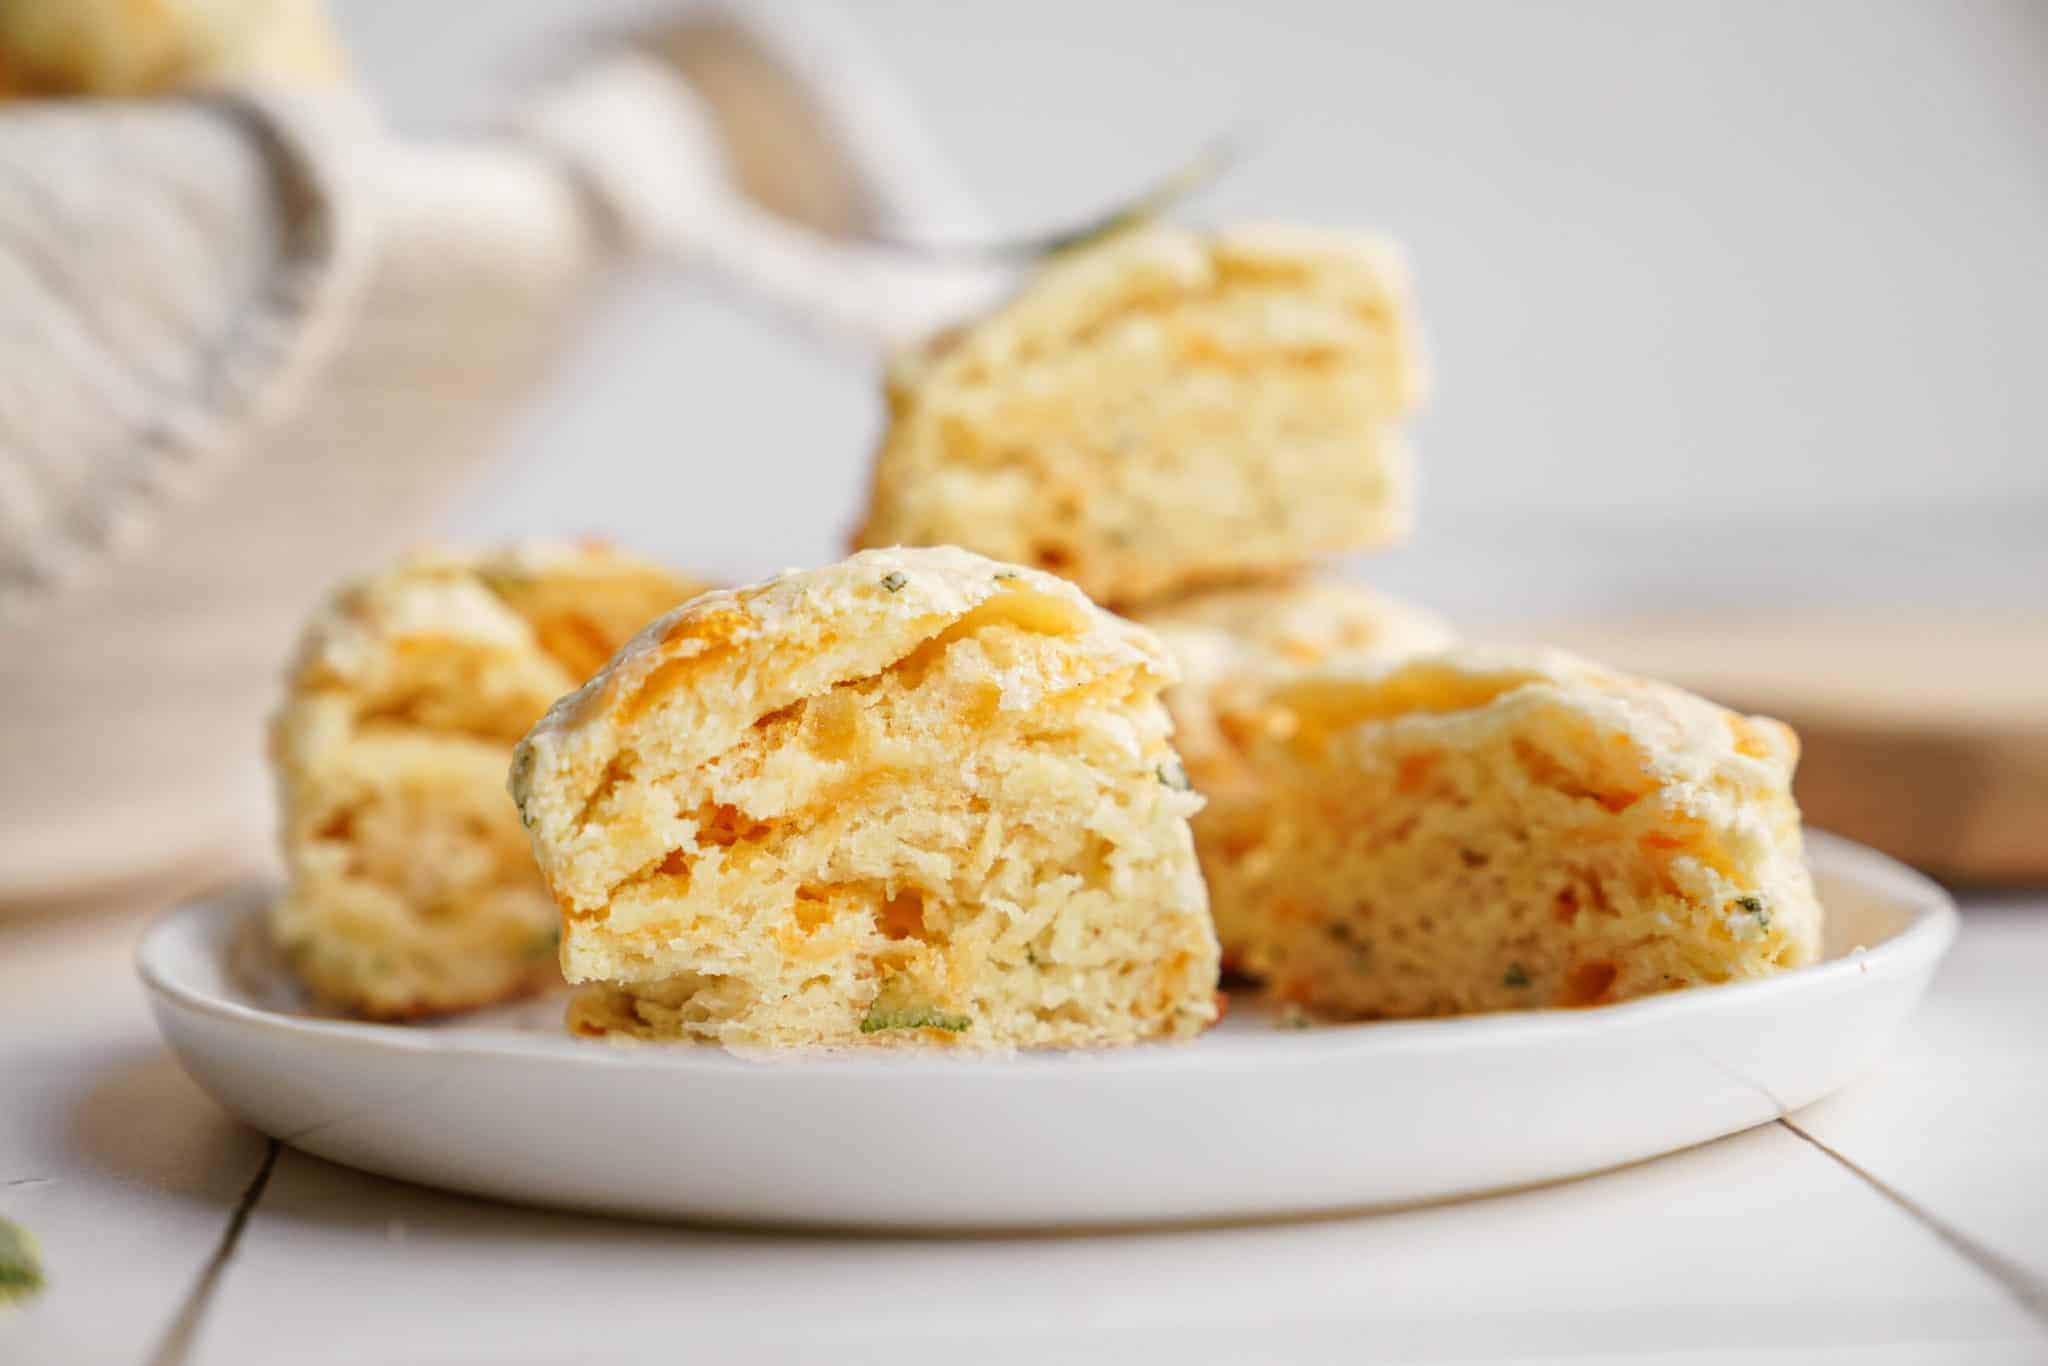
<point>150,47</point>
<point>708,670</point>
<point>1679,738</point>
<point>497,601</point>
<point>1298,622</point>
<point>1150,269</point>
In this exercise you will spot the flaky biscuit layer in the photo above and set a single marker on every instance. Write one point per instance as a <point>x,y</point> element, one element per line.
<point>915,797</point>
<point>412,888</point>
<point>1484,830</point>
<point>1163,411</point>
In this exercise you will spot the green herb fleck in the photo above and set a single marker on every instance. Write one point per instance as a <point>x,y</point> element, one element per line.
<point>544,943</point>
<point>522,769</point>
<point>1031,957</point>
<point>1516,976</point>
<point>1755,906</point>
<point>893,581</point>
<point>1173,775</point>
<point>881,1017</point>
<point>505,582</point>
<point>1293,1017</point>
<point>21,1268</point>
<point>1002,574</point>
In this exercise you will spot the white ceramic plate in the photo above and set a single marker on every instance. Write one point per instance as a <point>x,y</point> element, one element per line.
<point>1250,1119</point>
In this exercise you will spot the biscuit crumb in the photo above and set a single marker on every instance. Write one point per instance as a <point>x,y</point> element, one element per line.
<point>1161,411</point>
<point>412,886</point>
<point>811,814</point>
<point>1476,829</point>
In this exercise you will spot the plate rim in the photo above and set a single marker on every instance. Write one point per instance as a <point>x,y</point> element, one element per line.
<point>1923,941</point>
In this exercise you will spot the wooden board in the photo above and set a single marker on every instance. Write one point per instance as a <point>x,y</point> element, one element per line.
<point>1925,738</point>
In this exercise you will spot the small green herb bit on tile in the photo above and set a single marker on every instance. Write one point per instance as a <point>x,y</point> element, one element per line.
<point>21,1268</point>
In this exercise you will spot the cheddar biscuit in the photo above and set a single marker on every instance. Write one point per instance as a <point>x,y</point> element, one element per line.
<point>152,47</point>
<point>1163,411</point>
<point>1483,830</point>
<point>917,797</point>
<point>412,889</point>
<point>1229,642</point>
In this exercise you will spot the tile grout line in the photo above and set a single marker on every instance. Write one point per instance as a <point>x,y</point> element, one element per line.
<point>2030,1290</point>
<point>175,1348</point>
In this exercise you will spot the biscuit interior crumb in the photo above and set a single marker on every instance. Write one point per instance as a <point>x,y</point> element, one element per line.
<point>1229,643</point>
<point>412,887</point>
<point>1163,411</point>
<point>913,799</point>
<point>1479,830</point>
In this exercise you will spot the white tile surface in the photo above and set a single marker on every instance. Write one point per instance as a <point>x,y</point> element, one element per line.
<point>117,1163</point>
<point>1757,1241</point>
<point>125,1173</point>
<point>1959,1121</point>
<point>65,983</point>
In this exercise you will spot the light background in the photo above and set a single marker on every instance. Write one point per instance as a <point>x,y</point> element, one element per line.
<point>1729,304</point>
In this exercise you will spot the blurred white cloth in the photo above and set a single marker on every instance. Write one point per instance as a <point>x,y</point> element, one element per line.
<point>171,273</point>
<point>251,340</point>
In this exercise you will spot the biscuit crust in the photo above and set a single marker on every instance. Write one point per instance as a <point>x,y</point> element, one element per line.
<point>918,797</point>
<point>1231,642</point>
<point>117,47</point>
<point>1163,411</point>
<point>412,888</point>
<point>1482,830</point>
